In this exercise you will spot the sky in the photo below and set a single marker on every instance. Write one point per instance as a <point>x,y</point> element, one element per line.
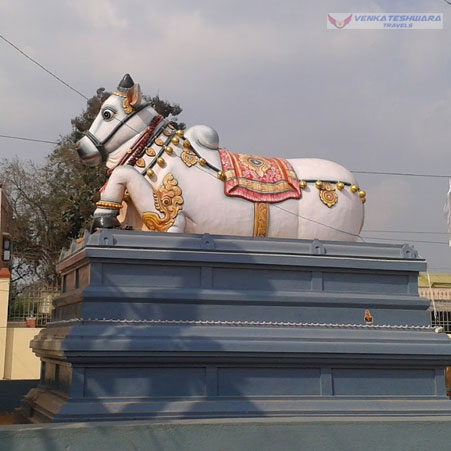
<point>268,76</point>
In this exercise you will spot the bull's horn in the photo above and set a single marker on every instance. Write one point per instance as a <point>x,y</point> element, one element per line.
<point>126,83</point>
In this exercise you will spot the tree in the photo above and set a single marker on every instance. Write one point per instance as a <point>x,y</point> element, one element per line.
<point>54,202</point>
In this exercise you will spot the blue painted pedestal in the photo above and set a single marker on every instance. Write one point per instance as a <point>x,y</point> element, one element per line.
<point>153,326</point>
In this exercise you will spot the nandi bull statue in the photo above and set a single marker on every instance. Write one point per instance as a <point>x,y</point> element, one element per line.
<point>166,180</point>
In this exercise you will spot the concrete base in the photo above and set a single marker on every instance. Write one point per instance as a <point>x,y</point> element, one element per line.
<point>195,326</point>
<point>293,434</point>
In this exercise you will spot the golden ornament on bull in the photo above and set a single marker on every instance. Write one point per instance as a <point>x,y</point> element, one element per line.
<point>168,149</point>
<point>180,133</point>
<point>189,157</point>
<point>319,184</point>
<point>161,162</point>
<point>302,184</point>
<point>362,194</point>
<point>168,201</point>
<point>186,144</point>
<point>175,140</point>
<point>150,172</point>
<point>328,195</point>
<point>340,186</point>
<point>353,188</point>
<point>202,161</point>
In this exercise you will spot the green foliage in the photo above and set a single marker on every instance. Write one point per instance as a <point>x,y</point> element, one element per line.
<point>54,202</point>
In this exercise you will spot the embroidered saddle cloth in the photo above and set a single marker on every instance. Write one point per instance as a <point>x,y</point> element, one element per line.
<point>258,179</point>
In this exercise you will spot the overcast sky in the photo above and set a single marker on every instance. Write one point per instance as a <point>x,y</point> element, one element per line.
<point>267,75</point>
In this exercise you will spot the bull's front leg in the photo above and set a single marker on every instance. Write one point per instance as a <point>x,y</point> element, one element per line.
<point>122,178</point>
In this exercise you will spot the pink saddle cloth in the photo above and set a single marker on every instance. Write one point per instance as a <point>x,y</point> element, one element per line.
<point>258,179</point>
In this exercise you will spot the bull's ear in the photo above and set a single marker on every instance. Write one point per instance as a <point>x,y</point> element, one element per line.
<point>134,95</point>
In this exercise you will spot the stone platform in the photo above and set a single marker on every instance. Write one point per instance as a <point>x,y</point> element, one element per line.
<point>158,326</point>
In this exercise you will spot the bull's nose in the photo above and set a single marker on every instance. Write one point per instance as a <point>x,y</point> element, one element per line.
<point>88,152</point>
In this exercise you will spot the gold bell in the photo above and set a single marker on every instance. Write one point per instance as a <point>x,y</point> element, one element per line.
<point>220,175</point>
<point>362,194</point>
<point>186,144</point>
<point>175,140</point>
<point>179,133</point>
<point>302,184</point>
<point>150,172</point>
<point>202,161</point>
<point>340,186</point>
<point>319,184</point>
<point>161,162</point>
<point>168,150</point>
<point>354,188</point>
<point>126,197</point>
<point>363,199</point>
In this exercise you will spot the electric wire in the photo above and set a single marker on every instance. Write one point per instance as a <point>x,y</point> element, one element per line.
<point>402,174</point>
<point>29,139</point>
<point>413,241</point>
<point>425,232</point>
<point>42,67</point>
<point>399,174</point>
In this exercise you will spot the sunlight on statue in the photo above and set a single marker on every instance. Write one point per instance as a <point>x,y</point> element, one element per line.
<point>167,180</point>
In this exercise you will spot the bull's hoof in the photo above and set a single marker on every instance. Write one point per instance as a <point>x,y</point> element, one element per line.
<point>104,222</point>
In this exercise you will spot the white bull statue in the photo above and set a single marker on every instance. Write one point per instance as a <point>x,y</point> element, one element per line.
<point>162,179</point>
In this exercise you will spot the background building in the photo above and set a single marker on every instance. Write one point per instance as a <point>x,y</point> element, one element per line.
<point>439,293</point>
<point>16,358</point>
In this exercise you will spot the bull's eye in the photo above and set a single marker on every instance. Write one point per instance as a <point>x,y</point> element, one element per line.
<point>108,114</point>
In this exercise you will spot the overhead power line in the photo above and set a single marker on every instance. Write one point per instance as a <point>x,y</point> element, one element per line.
<point>403,174</point>
<point>42,67</point>
<point>309,219</point>
<point>293,213</point>
<point>29,139</point>
<point>425,232</point>
<point>399,174</point>
<point>409,240</point>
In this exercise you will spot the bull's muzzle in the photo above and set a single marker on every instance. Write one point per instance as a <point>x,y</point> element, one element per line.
<point>88,152</point>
